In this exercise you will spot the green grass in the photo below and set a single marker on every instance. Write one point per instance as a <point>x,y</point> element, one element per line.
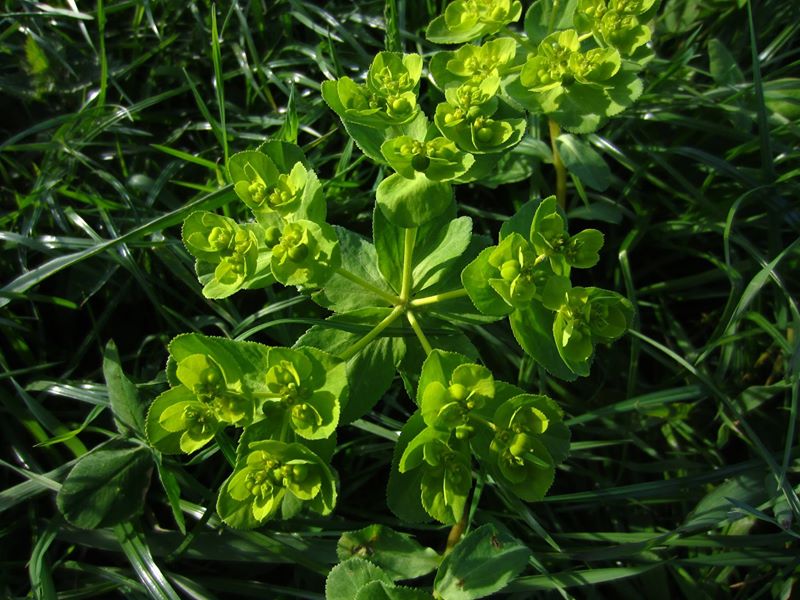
<point>118,120</point>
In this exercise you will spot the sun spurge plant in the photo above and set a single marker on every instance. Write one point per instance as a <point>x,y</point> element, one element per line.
<point>396,299</point>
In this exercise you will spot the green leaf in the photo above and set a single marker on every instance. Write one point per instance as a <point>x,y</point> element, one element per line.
<point>716,506</point>
<point>243,361</point>
<point>122,393</point>
<point>723,65</point>
<point>163,440</point>
<point>437,253</point>
<point>378,590</point>
<point>379,358</point>
<point>546,16</point>
<point>520,221</point>
<point>413,202</point>
<point>106,486</point>
<point>403,492</point>
<point>482,563</point>
<point>360,258</point>
<point>533,329</point>
<point>347,578</point>
<point>398,554</point>
<point>430,238</point>
<point>583,108</point>
<point>582,160</point>
<point>475,278</point>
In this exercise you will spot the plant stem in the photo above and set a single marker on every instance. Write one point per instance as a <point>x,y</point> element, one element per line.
<point>482,421</point>
<point>457,531</point>
<point>390,298</point>
<point>375,332</point>
<point>408,255</point>
<point>426,345</point>
<point>561,170</point>
<point>438,298</point>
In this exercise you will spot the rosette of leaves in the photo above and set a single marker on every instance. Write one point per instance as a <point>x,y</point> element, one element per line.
<point>526,276</point>
<point>213,381</point>
<point>304,391</point>
<point>528,441</point>
<point>277,184</point>
<point>306,254</point>
<point>578,83</point>
<point>472,63</point>
<point>471,119</point>
<point>418,191</point>
<point>585,317</point>
<point>271,474</point>
<point>228,256</point>
<point>465,20</point>
<point>617,23</point>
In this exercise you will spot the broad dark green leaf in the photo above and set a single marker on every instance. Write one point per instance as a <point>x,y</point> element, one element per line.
<point>398,554</point>
<point>378,590</point>
<point>106,486</point>
<point>347,578</point>
<point>533,329</point>
<point>482,563</point>
<point>582,160</point>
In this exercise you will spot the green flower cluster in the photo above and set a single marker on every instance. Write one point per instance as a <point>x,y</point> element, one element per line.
<point>282,399</point>
<point>519,438</point>
<point>465,20</point>
<point>388,98</point>
<point>617,23</point>
<point>289,240</point>
<point>275,476</point>
<point>530,280</point>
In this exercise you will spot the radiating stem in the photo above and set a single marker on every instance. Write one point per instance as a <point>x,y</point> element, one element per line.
<point>457,531</point>
<point>408,255</point>
<point>390,298</point>
<point>374,333</point>
<point>482,421</point>
<point>426,345</point>
<point>438,298</point>
<point>561,170</point>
